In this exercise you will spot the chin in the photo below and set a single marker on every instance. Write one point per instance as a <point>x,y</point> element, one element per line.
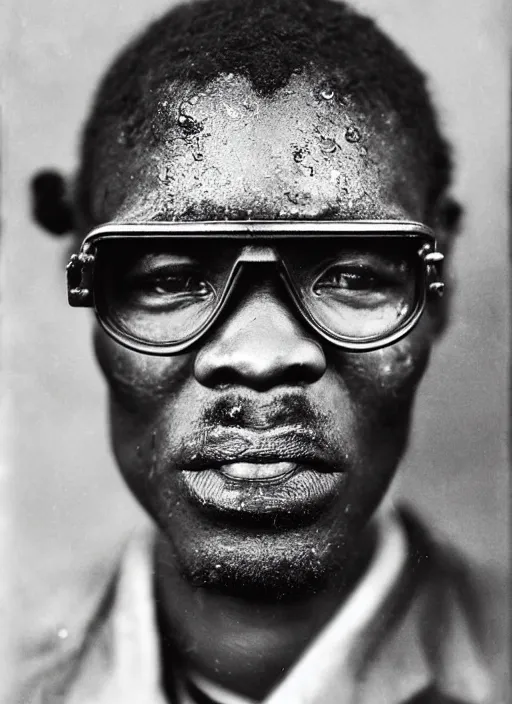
<point>258,565</point>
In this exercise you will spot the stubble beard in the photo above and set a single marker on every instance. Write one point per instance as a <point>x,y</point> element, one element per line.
<point>262,566</point>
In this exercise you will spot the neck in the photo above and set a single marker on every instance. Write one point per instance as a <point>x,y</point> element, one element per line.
<point>243,644</point>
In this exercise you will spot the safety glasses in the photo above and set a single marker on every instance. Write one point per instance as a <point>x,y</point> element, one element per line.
<point>158,288</point>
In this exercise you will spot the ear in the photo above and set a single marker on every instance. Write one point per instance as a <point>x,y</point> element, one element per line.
<point>447,219</point>
<point>51,203</point>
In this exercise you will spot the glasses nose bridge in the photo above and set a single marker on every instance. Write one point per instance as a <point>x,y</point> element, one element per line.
<point>258,254</point>
<point>267,262</point>
<point>263,260</point>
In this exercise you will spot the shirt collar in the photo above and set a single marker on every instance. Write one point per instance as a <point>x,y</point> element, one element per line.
<point>336,661</point>
<point>377,633</point>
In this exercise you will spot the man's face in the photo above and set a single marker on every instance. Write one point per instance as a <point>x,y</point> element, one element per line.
<point>263,452</point>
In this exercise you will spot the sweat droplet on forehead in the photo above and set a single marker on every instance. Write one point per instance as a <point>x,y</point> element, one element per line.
<point>227,151</point>
<point>352,134</point>
<point>327,145</point>
<point>189,125</point>
<point>327,93</point>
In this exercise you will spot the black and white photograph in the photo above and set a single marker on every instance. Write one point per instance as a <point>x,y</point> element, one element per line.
<point>255,325</point>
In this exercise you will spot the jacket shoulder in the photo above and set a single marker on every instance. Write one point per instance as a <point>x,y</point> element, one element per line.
<point>465,612</point>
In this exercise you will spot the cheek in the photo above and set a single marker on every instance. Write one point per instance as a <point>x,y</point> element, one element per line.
<point>139,383</point>
<point>381,386</point>
<point>399,368</point>
<point>391,375</point>
<point>148,396</point>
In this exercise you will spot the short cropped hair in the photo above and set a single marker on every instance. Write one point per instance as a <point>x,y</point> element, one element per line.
<point>265,41</point>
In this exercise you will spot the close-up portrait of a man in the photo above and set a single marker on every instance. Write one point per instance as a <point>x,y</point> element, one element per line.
<point>261,221</point>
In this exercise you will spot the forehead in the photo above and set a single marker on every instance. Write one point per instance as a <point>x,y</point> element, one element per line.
<point>226,152</point>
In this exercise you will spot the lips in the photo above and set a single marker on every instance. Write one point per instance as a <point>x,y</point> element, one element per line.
<point>226,445</point>
<point>285,471</point>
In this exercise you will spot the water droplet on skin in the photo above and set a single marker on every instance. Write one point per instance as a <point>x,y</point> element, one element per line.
<point>352,134</point>
<point>327,93</point>
<point>328,146</point>
<point>189,125</point>
<point>298,156</point>
<point>165,104</point>
<point>198,156</point>
<point>217,567</point>
<point>230,76</point>
<point>193,100</point>
<point>62,633</point>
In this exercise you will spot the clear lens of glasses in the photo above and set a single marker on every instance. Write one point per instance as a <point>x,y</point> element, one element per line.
<point>165,292</point>
<point>357,290</point>
<point>161,293</point>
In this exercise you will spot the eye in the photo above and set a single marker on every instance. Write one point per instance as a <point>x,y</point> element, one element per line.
<point>351,277</point>
<point>165,287</point>
<point>175,284</point>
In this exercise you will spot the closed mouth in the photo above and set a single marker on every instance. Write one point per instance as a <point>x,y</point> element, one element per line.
<point>267,477</point>
<point>247,455</point>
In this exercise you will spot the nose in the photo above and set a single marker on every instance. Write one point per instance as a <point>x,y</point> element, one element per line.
<point>260,344</point>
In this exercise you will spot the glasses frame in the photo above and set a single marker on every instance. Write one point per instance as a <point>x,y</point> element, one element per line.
<point>82,285</point>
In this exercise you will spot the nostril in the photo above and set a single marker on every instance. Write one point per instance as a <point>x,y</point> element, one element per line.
<point>295,375</point>
<point>303,372</point>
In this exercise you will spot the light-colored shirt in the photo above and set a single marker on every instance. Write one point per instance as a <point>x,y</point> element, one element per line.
<point>378,648</point>
<point>342,635</point>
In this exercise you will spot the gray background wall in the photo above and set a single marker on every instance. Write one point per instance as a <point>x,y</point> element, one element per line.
<point>65,511</point>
